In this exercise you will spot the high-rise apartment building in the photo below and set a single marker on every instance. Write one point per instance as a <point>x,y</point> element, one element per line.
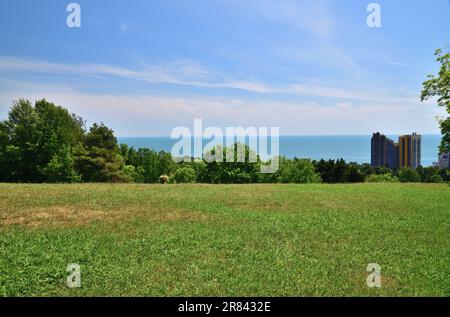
<point>390,154</point>
<point>444,160</point>
<point>396,156</point>
<point>405,153</point>
<point>416,150</point>
<point>377,150</point>
<point>383,151</point>
<point>409,150</point>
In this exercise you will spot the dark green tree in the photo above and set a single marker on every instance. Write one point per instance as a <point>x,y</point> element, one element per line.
<point>238,165</point>
<point>439,86</point>
<point>429,174</point>
<point>353,174</point>
<point>32,136</point>
<point>135,174</point>
<point>99,159</point>
<point>340,170</point>
<point>184,174</point>
<point>325,170</point>
<point>20,135</point>
<point>149,163</point>
<point>408,175</point>
<point>61,168</point>
<point>298,171</point>
<point>148,160</point>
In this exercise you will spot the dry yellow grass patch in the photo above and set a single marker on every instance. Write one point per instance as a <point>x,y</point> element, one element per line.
<point>59,216</point>
<point>72,216</point>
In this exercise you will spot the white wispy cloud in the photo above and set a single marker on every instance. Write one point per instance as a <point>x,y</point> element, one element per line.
<point>189,73</point>
<point>144,115</point>
<point>181,72</point>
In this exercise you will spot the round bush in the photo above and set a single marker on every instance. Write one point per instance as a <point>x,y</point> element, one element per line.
<point>408,175</point>
<point>382,178</point>
<point>184,175</point>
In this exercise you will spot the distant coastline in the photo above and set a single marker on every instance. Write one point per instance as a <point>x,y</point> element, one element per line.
<point>352,148</point>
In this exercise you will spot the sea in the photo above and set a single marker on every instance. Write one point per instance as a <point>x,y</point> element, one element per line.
<point>352,148</point>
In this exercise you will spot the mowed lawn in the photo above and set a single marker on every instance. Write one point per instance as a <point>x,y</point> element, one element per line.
<point>225,240</point>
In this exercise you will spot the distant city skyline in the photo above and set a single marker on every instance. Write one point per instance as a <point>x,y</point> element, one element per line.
<point>406,152</point>
<point>308,67</point>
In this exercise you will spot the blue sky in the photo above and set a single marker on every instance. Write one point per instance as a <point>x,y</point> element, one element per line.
<point>309,67</point>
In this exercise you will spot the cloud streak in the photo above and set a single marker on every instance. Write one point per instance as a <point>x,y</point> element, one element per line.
<point>189,73</point>
<point>147,115</point>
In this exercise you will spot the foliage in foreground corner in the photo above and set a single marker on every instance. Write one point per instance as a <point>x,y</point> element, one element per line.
<point>439,87</point>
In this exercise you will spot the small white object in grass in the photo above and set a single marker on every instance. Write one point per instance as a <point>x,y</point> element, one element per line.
<point>374,278</point>
<point>74,278</point>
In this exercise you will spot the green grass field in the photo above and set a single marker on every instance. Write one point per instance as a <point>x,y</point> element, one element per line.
<point>225,240</point>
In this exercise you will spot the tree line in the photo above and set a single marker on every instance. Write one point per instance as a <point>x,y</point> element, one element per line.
<point>44,143</point>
